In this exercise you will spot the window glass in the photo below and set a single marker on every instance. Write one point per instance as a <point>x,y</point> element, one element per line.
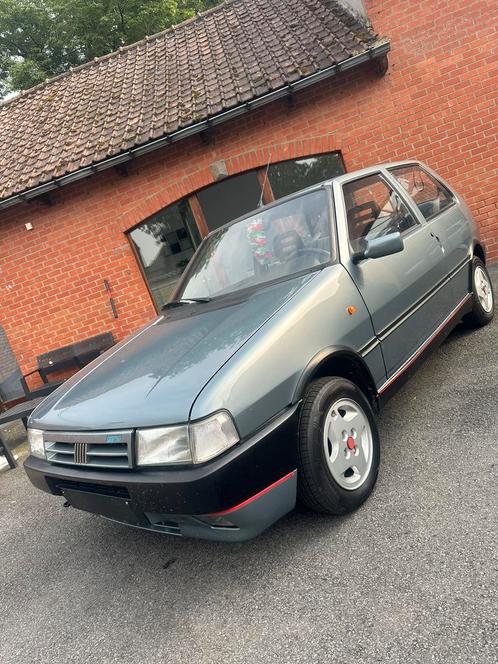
<point>164,244</point>
<point>287,177</point>
<point>374,209</point>
<point>225,201</point>
<point>430,195</point>
<point>274,243</point>
<point>10,376</point>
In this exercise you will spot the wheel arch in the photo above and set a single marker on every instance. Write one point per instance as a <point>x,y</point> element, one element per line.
<point>339,361</point>
<point>480,252</point>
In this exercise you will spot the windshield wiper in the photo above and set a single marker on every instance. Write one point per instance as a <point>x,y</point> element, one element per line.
<point>189,300</point>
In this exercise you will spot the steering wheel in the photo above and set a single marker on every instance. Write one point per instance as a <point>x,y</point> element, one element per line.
<point>321,254</point>
<point>301,259</point>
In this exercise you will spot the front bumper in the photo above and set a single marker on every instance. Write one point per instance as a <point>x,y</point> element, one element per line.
<point>232,498</point>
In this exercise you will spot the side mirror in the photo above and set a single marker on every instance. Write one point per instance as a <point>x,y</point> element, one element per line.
<point>379,247</point>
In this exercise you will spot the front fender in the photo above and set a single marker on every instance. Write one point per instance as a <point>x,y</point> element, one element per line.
<point>262,378</point>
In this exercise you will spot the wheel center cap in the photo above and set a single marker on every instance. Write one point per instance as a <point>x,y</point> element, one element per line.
<point>350,443</point>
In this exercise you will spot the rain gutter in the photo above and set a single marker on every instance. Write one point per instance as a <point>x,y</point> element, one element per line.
<point>379,50</point>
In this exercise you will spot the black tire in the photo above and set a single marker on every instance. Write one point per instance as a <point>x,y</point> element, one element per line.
<point>478,317</point>
<point>317,489</point>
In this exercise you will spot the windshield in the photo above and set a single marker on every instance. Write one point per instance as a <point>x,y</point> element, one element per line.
<point>271,244</point>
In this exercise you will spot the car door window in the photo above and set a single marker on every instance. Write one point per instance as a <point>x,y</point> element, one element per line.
<point>374,209</point>
<point>430,196</point>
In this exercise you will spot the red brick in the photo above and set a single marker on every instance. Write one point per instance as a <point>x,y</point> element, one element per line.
<point>438,102</point>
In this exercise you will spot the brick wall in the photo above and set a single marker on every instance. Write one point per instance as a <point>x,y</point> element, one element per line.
<point>442,93</point>
<point>437,103</point>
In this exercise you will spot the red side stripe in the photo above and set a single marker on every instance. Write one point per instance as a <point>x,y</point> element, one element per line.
<point>426,343</point>
<point>256,496</point>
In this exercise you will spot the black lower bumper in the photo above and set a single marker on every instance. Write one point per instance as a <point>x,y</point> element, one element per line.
<point>237,486</point>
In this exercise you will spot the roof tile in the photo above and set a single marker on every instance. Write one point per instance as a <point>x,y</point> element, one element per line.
<point>229,55</point>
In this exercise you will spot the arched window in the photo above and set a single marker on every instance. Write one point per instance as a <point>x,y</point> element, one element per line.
<point>10,376</point>
<point>166,242</point>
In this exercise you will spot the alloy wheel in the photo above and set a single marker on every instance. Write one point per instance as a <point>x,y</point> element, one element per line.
<point>348,446</point>
<point>483,289</point>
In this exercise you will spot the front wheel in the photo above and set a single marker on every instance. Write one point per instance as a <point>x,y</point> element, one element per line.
<point>483,302</point>
<point>339,449</point>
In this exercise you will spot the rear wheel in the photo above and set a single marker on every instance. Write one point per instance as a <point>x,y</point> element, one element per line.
<point>483,304</point>
<point>339,447</point>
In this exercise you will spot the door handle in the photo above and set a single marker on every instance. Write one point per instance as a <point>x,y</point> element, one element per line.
<point>441,246</point>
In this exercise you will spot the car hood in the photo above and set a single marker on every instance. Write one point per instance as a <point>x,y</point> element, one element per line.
<point>154,377</point>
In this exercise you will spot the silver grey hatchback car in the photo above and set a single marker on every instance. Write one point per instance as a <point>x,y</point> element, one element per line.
<point>262,379</point>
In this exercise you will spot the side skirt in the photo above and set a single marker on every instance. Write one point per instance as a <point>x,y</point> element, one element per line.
<point>399,378</point>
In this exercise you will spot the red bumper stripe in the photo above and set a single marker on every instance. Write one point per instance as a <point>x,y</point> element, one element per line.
<point>256,496</point>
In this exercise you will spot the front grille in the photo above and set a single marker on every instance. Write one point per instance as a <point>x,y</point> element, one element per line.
<point>89,449</point>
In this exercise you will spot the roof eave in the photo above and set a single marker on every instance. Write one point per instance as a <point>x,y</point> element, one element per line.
<point>380,49</point>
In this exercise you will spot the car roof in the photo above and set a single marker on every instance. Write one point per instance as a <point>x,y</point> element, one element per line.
<point>374,169</point>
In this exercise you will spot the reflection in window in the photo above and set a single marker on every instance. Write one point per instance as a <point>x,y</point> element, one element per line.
<point>225,201</point>
<point>287,177</point>
<point>373,210</point>
<point>428,193</point>
<point>274,243</point>
<point>165,243</point>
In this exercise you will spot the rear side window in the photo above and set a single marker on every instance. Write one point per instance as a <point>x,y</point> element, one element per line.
<point>430,196</point>
<point>374,209</point>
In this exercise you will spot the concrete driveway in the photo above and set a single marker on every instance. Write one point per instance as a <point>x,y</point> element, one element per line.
<point>411,577</point>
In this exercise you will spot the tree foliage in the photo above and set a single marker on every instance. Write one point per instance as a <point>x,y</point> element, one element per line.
<point>42,38</point>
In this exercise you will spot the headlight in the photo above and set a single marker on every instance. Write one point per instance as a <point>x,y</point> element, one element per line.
<point>36,446</point>
<point>163,446</point>
<point>194,443</point>
<point>212,436</point>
